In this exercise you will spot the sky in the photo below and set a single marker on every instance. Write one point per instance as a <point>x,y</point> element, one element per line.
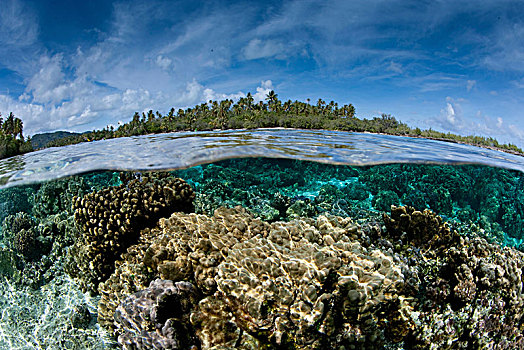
<point>454,66</point>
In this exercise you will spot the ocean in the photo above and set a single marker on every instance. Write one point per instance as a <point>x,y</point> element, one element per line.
<point>262,239</point>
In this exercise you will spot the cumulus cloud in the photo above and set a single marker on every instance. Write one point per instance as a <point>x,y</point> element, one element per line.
<point>449,114</point>
<point>262,91</point>
<point>453,119</point>
<point>48,85</point>
<point>128,69</point>
<point>196,93</point>
<point>32,114</point>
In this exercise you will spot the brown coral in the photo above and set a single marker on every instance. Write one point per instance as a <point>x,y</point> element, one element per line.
<point>309,290</point>
<point>110,221</point>
<point>307,282</point>
<point>473,293</point>
<point>192,246</point>
<point>184,247</point>
<point>422,229</point>
<point>157,317</point>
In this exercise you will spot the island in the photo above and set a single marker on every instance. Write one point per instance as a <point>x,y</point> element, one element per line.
<point>242,114</point>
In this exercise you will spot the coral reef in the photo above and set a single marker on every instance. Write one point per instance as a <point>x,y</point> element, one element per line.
<point>383,200</point>
<point>110,221</point>
<point>216,327</point>
<point>328,282</point>
<point>311,292</point>
<point>56,196</point>
<point>422,229</point>
<point>493,193</point>
<point>16,199</point>
<point>390,277</point>
<point>469,291</point>
<point>307,284</point>
<point>268,187</point>
<point>157,317</point>
<point>20,233</point>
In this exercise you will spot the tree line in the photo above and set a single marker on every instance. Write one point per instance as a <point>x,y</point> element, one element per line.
<point>248,114</point>
<point>12,141</point>
<point>272,112</point>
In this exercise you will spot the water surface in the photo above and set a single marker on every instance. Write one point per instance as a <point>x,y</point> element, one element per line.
<point>185,149</point>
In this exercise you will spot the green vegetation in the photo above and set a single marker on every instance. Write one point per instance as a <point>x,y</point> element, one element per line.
<point>12,140</point>
<point>41,140</point>
<point>272,112</point>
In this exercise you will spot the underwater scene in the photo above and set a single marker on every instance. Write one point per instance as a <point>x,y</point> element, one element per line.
<point>265,253</point>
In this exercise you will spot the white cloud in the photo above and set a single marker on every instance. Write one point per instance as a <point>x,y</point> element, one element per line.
<point>450,117</point>
<point>257,48</point>
<point>395,67</point>
<point>262,91</point>
<point>210,94</point>
<point>48,85</point>
<point>152,56</point>
<point>449,113</point>
<point>163,62</point>
<point>196,93</point>
<point>31,114</point>
<point>470,84</point>
<point>519,84</point>
<point>135,99</point>
<point>499,122</point>
<point>192,95</point>
<point>18,36</point>
<point>453,119</point>
<point>506,47</point>
<point>18,26</point>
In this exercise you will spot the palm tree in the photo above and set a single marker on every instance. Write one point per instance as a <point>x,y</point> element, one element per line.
<point>287,106</point>
<point>271,97</point>
<point>17,128</point>
<point>249,101</point>
<point>272,100</point>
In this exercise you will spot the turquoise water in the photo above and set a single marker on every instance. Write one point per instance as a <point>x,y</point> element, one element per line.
<point>281,239</point>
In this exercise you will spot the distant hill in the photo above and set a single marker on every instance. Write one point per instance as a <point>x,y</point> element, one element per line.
<point>41,140</point>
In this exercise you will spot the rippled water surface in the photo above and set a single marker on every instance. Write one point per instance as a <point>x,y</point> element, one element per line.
<point>185,149</point>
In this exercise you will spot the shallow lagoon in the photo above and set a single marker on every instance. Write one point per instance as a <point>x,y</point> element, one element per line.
<point>359,273</point>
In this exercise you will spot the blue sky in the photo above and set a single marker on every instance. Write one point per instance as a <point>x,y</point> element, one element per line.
<point>451,65</point>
